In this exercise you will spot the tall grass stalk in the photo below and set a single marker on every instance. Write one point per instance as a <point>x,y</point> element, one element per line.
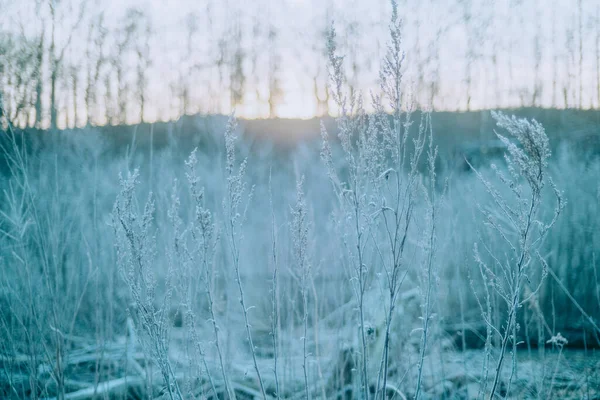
<point>430,273</point>
<point>300,233</point>
<point>236,189</point>
<point>518,222</point>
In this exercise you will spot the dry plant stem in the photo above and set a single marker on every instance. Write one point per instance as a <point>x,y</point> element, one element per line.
<point>180,250</point>
<point>404,195</point>
<point>235,191</point>
<point>596,267</point>
<point>213,320</point>
<point>560,350</point>
<point>275,334</point>
<point>300,229</point>
<point>377,140</point>
<point>345,125</point>
<point>218,341</point>
<point>361,279</point>
<point>361,296</point>
<point>511,323</point>
<point>575,302</point>
<point>432,156</point>
<point>397,229</point>
<point>526,163</point>
<point>316,335</point>
<point>203,234</point>
<point>510,330</point>
<point>245,310</point>
<point>487,315</point>
<point>304,352</point>
<point>194,335</point>
<point>360,286</point>
<point>274,292</point>
<point>394,277</point>
<point>135,258</point>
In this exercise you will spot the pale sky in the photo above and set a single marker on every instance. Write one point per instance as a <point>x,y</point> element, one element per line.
<point>500,41</point>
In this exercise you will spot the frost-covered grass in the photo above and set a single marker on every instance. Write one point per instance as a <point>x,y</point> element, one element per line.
<point>350,267</point>
<point>67,294</point>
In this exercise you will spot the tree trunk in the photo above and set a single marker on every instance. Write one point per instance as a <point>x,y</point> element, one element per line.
<point>54,71</point>
<point>39,81</point>
<point>53,110</point>
<point>75,88</point>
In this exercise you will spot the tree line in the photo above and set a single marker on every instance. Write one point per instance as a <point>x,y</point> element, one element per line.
<point>66,63</point>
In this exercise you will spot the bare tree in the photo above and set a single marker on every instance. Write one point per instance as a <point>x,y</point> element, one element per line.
<point>74,87</point>
<point>237,77</point>
<point>580,43</point>
<point>319,78</point>
<point>597,46</point>
<point>39,76</point>
<point>191,24</point>
<point>537,53</point>
<point>470,55</point>
<point>554,58</point>
<point>569,63</point>
<point>143,64</point>
<point>108,100</point>
<point>17,75</point>
<point>57,54</point>
<point>124,40</point>
<point>274,66</point>
<point>96,59</point>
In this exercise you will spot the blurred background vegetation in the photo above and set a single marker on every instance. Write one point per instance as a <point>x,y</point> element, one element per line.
<point>93,91</point>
